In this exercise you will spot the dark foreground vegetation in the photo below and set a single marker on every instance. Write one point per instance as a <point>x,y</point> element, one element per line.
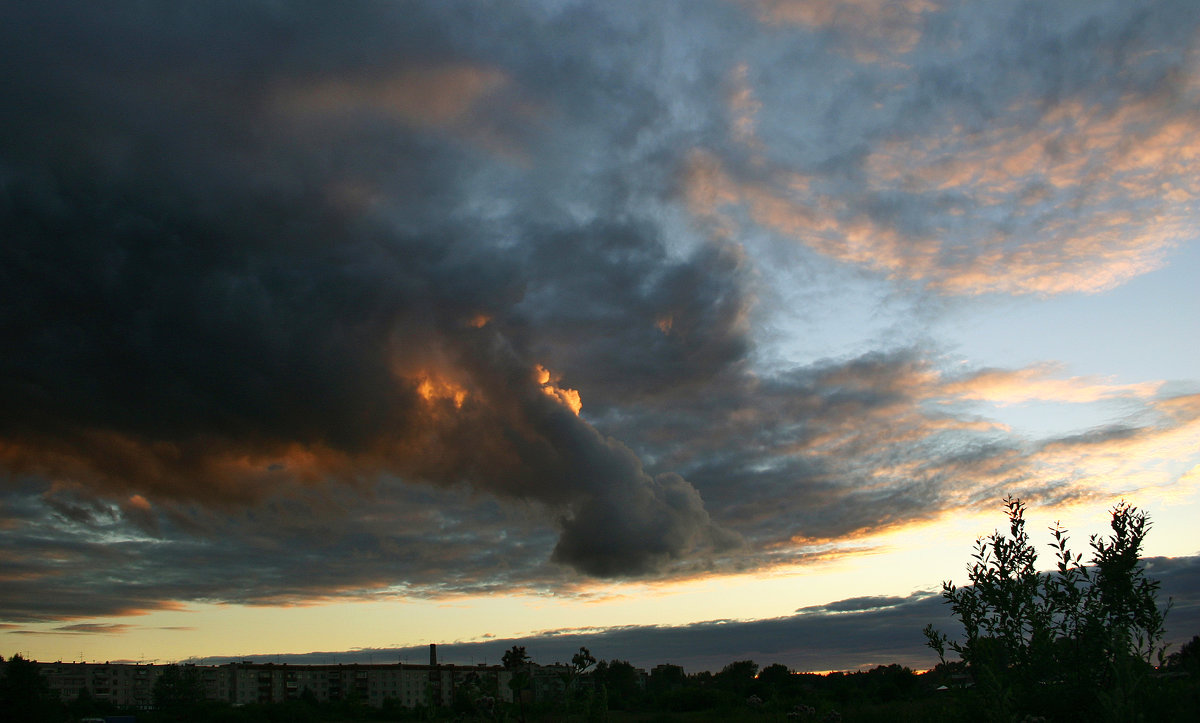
<point>1080,643</point>
<point>741,691</point>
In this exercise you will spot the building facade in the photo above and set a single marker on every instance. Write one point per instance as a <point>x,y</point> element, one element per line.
<point>116,683</point>
<point>406,685</point>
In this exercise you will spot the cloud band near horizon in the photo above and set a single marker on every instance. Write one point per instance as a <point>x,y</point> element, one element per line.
<point>280,284</point>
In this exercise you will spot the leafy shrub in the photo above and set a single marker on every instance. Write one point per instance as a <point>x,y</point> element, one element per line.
<point>1081,633</point>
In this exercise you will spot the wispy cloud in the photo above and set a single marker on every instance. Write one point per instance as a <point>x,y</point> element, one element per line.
<point>78,629</point>
<point>93,629</point>
<point>1039,383</point>
<point>871,30</point>
<point>1034,175</point>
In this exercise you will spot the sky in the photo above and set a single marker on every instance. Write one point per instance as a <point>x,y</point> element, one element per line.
<point>688,331</point>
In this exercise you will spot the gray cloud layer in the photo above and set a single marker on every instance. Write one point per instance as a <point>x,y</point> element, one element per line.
<point>848,634</point>
<point>283,284</point>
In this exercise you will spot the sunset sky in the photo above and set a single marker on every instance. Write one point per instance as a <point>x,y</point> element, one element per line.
<point>690,331</point>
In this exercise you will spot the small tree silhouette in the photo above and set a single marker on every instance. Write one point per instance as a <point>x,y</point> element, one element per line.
<point>514,658</point>
<point>517,660</point>
<point>24,693</point>
<point>1094,628</point>
<point>580,662</point>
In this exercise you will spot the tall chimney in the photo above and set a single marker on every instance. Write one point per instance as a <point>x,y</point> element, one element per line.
<point>432,654</point>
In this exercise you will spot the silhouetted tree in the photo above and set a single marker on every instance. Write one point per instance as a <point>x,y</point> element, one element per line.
<point>737,677</point>
<point>1187,657</point>
<point>179,691</point>
<point>886,683</point>
<point>1096,625</point>
<point>514,657</point>
<point>775,680</point>
<point>86,705</point>
<point>24,693</point>
<point>580,662</point>
<point>516,660</point>
<point>619,680</point>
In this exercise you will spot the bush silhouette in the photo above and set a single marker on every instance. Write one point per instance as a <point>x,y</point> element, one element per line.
<point>1084,633</point>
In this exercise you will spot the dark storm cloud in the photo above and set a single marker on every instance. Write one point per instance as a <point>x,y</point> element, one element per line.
<point>315,544</point>
<point>838,448</point>
<point>217,281</point>
<point>627,340</point>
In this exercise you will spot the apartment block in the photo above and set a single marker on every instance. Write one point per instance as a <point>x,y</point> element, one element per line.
<point>248,682</point>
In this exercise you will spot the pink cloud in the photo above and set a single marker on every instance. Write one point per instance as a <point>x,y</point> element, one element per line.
<point>1082,200</point>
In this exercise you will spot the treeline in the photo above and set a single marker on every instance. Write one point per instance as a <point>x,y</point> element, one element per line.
<point>611,690</point>
<point>616,691</point>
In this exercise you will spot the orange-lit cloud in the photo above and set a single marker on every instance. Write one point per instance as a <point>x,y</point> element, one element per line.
<point>1074,154</point>
<point>871,29</point>
<point>569,398</point>
<point>1091,199</point>
<point>791,207</point>
<point>216,471</point>
<point>433,389</point>
<point>1128,460</point>
<point>429,96</point>
<point>461,99</point>
<point>1037,384</point>
<point>743,108</point>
